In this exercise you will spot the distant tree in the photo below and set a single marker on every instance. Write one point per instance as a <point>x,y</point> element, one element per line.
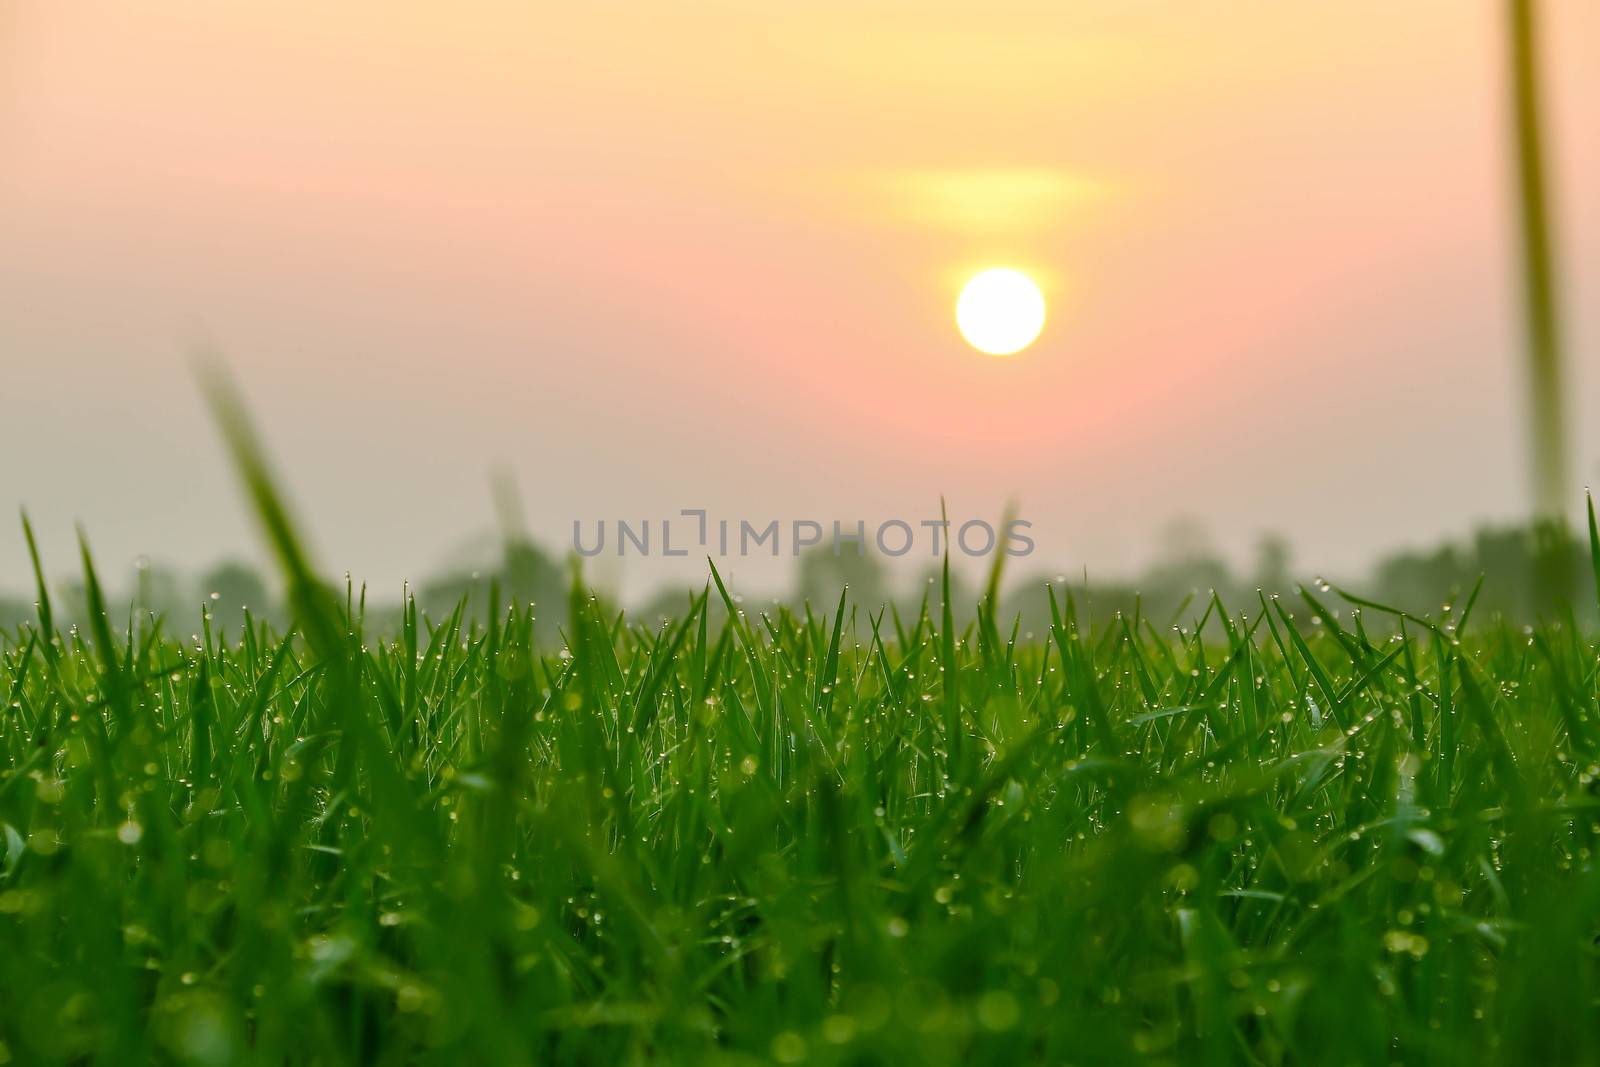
<point>529,576</point>
<point>14,612</point>
<point>71,600</point>
<point>1185,538</point>
<point>1419,581</point>
<point>1189,563</point>
<point>233,585</point>
<point>963,596</point>
<point>665,605</point>
<point>158,590</point>
<point>822,574</point>
<point>1273,556</point>
<point>524,575</point>
<point>438,594</point>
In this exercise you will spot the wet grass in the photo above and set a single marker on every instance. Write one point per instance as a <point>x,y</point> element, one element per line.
<point>1272,833</point>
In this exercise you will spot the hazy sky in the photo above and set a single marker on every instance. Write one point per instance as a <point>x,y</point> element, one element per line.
<point>658,255</point>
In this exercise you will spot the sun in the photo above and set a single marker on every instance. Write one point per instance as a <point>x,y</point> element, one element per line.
<point>1000,311</point>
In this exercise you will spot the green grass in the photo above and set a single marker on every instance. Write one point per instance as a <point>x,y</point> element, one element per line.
<point>1282,833</point>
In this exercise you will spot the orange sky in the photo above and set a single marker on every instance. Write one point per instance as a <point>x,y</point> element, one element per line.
<point>667,255</point>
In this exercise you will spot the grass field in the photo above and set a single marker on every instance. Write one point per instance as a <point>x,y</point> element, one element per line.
<point>1307,832</point>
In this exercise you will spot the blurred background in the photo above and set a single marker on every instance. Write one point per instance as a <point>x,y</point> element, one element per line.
<point>641,258</point>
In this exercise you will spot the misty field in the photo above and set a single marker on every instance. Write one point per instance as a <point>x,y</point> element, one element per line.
<point>1273,832</point>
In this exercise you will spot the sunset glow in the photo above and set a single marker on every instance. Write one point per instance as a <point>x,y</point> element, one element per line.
<point>512,223</point>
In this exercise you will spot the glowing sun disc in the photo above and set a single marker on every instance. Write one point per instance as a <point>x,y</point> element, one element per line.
<point>1000,311</point>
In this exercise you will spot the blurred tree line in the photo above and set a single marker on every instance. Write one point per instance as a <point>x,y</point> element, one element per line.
<point>1529,572</point>
<point>226,589</point>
